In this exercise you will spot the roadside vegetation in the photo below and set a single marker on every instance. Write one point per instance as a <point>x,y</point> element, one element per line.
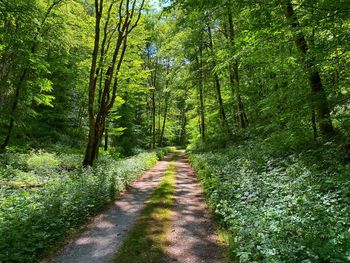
<point>46,196</point>
<point>279,205</point>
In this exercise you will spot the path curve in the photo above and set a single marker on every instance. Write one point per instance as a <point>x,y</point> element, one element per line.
<point>104,235</point>
<point>192,238</point>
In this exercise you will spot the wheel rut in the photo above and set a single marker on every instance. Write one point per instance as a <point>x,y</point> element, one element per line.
<point>193,238</point>
<point>103,236</point>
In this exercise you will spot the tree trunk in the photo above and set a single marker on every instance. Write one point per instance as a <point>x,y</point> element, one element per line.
<point>202,114</point>
<point>199,60</point>
<point>183,127</point>
<point>159,116</point>
<point>93,145</point>
<point>13,110</point>
<point>217,84</point>
<point>164,120</point>
<point>149,120</point>
<point>220,101</point>
<point>152,81</point>
<point>234,74</point>
<point>153,120</point>
<point>313,123</point>
<point>319,97</point>
<point>94,136</point>
<point>106,140</point>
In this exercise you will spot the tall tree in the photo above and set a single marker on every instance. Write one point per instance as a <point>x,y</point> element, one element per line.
<point>319,97</point>
<point>234,69</point>
<point>23,73</point>
<point>217,83</point>
<point>129,14</point>
<point>199,62</point>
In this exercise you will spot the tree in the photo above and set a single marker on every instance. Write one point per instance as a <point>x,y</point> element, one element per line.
<point>217,80</point>
<point>129,14</point>
<point>19,80</point>
<point>319,97</point>
<point>234,69</point>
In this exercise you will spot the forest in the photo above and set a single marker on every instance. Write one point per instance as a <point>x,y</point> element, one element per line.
<point>94,92</point>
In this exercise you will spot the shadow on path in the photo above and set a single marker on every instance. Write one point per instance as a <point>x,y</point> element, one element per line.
<point>193,238</point>
<point>105,234</point>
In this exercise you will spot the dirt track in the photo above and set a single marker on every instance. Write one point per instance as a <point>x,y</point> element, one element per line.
<point>106,232</point>
<point>192,238</point>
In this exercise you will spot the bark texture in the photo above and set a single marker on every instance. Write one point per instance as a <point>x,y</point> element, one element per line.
<point>129,16</point>
<point>234,73</point>
<point>319,97</point>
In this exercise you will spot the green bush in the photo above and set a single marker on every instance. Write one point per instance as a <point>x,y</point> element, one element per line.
<point>161,152</point>
<point>42,162</point>
<point>290,209</point>
<point>70,162</point>
<point>32,220</point>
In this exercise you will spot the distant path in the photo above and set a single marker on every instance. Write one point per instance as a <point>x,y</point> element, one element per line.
<point>192,239</point>
<point>105,234</point>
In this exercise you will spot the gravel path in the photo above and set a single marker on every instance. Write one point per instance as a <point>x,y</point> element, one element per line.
<point>105,234</point>
<point>192,238</point>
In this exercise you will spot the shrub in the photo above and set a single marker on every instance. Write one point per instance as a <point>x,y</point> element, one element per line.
<point>42,162</point>
<point>161,152</point>
<point>32,220</point>
<point>291,209</point>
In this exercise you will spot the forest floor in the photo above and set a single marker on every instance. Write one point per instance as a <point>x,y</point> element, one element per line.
<point>192,237</point>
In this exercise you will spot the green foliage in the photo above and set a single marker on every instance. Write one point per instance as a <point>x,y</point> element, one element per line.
<point>53,196</point>
<point>279,208</point>
<point>281,189</point>
<point>161,152</point>
<point>42,162</point>
<point>113,152</point>
<point>42,49</point>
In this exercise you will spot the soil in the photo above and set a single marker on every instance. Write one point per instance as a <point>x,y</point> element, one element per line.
<point>102,237</point>
<point>193,238</point>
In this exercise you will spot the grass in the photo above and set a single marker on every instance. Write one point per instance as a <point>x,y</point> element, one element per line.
<point>147,240</point>
<point>224,237</point>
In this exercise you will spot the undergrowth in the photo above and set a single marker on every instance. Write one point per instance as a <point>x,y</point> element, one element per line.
<point>290,207</point>
<point>45,196</point>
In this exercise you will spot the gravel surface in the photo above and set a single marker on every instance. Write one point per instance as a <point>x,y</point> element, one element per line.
<point>192,238</point>
<point>106,232</point>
